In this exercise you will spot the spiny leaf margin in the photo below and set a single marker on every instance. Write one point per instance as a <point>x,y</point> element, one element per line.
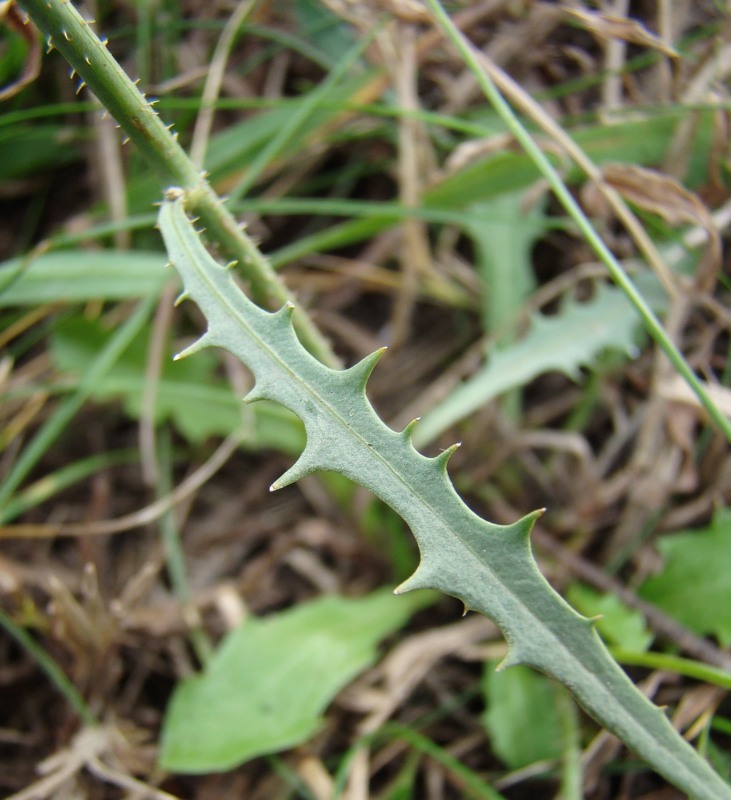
<point>489,567</point>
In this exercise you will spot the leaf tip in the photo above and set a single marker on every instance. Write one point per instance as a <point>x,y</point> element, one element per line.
<point>173,193</point>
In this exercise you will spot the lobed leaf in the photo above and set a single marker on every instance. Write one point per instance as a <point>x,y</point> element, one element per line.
<point>571,339</point>
<point>489,567</point>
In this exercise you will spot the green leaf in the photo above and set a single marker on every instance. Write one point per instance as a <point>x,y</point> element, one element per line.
<point>30,149</point>
<point>694,585</point>
<point>522,716</point>
<point>74,276</point>
<point>270,681</point>
<point>504,240</point>
<point>634,141</point>
<point>489,567</point>
<point>617,623</point>
<point>564,342</point>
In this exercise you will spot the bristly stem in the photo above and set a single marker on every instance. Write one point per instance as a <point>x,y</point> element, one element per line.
<point>68,32</point>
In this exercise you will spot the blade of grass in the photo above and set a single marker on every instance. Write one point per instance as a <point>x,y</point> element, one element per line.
<point>670,663</point>
<point>175,555</point>
<point>517,129</point>
<point>56,675</point>
<point>473,786</point>
<point>57,481</point>
<point>214,81</point>
<point>60,418</point>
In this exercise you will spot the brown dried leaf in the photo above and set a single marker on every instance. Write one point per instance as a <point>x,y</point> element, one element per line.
<point>612,26</point>
<point>14,19</point>
<point>656,192</point>
<point>662,195</point>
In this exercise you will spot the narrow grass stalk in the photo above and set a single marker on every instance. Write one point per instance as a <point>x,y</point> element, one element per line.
<point>652,324</point>
<point>175,556</point>
<point>670,663</point>
<point>214,81</point>
<point>49,485</point>
<point>50,667</point>
<point>68,32</point>
<point>57,422</point>
<point>571,767</point>
<point>473,786</point>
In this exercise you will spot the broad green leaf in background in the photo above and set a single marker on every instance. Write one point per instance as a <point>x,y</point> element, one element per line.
<point>270,681</point>
<point>522,716</point>
<point>189,394</point>
<point>74,276</point>
<point>694,585</point>
<point>617,623</point>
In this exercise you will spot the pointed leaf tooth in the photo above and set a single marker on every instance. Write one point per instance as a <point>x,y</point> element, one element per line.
<point>445,455</point>
<point>173,193</point>
<point>529,520</point>
<point>181,297</point>
<point>284,312</point>
<point>195,347</point>
<point>361,371</point>
<point>306,464</point>
<point>408,432</point>
<point>513,658</point>
<point>423,578</point>
<point>260,391</point>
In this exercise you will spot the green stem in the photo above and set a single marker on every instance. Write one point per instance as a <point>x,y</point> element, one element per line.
<point>66,30</point>
<point>670,663</point>
<point>523,137</point>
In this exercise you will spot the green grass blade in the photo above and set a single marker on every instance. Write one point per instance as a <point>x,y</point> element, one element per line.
<point>57,422</point>
<point>56,675</point>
